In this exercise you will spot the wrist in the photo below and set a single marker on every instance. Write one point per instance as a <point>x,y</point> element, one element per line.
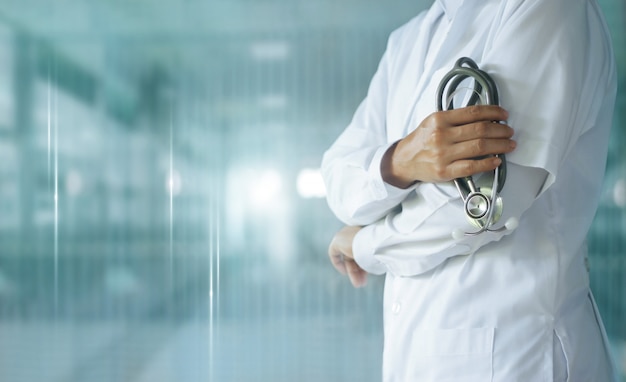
<point>389,171</point>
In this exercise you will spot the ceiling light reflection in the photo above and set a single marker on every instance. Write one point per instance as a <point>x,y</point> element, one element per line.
<point>265,188</point>
<point>310,184</point>
<point>174,183</point>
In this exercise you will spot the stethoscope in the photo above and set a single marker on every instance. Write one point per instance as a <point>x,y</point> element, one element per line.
<point>483,206</point>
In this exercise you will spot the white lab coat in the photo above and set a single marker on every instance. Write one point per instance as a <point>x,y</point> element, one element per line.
<point>511,306</point>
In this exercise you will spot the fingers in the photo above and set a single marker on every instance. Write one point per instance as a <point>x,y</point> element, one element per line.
<point>481,139</point>
<point>442,146</point>
<point>478,140</point>
<point>476,113</point>
<point>482,129</point>
<point>341,257</point>
<point>357,276</point>
<point>480,147</point>
<point>463,168</point>
<point>347,266</point>
<point>337,260</point>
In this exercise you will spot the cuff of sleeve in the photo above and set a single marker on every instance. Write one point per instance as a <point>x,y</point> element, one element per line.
<point>362,250</point>
<point>383,190</point>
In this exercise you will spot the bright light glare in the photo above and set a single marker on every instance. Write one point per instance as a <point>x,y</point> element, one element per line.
<point>265,188</point>
<point>310,184</point>
<point>174,183</point>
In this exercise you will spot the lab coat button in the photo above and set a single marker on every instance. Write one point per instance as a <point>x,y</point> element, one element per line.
<point>396,308</point>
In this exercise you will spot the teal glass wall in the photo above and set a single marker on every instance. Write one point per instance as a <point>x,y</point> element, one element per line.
<point>161,217</point>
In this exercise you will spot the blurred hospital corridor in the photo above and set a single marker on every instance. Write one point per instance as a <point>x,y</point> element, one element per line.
<point>162,213</point>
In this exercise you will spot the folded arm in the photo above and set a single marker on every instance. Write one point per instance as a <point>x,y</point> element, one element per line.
<point>420,238</point>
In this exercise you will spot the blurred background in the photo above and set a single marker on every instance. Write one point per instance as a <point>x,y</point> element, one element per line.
<point>162,217</point>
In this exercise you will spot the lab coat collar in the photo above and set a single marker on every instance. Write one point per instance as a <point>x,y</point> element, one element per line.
<point>450,7</point>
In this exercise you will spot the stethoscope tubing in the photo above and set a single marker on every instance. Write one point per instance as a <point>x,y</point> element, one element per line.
<point>485,86</point>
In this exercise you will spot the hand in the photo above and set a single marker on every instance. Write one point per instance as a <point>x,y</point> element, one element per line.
<point>443,146</point>
<point>340,253</point>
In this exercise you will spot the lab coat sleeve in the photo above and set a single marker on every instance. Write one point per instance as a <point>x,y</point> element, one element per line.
<point>356,192</point>
<point>553,74</point>
<point>419,238</point>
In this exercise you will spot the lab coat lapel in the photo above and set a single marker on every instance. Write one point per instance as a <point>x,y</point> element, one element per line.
<point>460,29</point>
<point>441,55</point>
<point>413,77</point>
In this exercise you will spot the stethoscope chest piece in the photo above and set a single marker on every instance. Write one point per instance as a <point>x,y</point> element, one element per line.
<point>478,206</point>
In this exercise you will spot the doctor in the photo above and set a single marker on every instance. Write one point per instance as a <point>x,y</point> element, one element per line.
<point>507,306</point>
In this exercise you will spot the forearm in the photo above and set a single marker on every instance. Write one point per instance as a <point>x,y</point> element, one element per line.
<point>356,191</point>
<point>419,238</point>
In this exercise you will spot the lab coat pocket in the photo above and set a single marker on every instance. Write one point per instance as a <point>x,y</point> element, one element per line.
<point>452,355</point>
